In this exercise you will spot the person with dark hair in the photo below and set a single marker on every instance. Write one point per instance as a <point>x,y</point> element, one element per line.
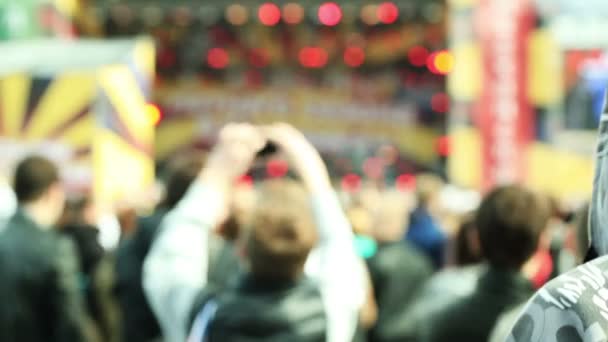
<point>39,288</point>
<point>577,242</point>
<point>285,293</point>
<point>510,222</point>
<point>78,224</point>
<point>467,249</point>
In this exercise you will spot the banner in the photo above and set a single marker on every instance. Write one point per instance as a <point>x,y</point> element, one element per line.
<point>503,111</point>
<point>331,118</point>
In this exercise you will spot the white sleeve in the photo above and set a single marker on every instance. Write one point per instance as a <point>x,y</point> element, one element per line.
<point>338,269</point>
<point>175,269</point>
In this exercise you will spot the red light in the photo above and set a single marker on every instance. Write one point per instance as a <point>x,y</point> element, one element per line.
<point>443,146</point>
<point>354,56</point>
<point>269,14</point>
<point>440,103</point>
<point>430,63</point>
<point>313,57</point>
<point>218,58</point>
<point>259,58</point>
<point>276,168</point>
<point>245,180</point>
<point>406,182</point>
<point>387,13</point>
<point>330,14</point>
<point>351,182</point>
<point>418,56</point>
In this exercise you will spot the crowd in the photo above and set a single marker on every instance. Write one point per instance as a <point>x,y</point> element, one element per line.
<point>292,259</point>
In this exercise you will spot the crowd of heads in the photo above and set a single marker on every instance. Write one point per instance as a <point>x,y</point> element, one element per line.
<point>271,223</point>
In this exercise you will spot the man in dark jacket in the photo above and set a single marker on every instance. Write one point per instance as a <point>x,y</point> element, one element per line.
<point>38,270</point>
<point>510,221</point>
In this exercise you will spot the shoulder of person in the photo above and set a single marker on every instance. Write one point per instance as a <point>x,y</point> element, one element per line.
<point>575,299</point>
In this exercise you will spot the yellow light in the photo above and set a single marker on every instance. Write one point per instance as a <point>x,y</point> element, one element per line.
<point>369,14</point>
<point>444,62</point>
<point>237,14</point>
<point>153,113</point>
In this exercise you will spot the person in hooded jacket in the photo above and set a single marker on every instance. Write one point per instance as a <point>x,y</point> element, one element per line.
<point>574,306</point>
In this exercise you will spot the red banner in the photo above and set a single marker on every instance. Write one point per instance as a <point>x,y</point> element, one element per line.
<point>503,111</point>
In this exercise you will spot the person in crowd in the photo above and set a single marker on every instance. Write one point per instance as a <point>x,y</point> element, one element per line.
<point>424,231</point>
<point>78,224</point>
<point>467,250</point>
<point>398,270</point>
<point>576,242</point>
<point>273,300</point>
<point>139,322</point>
<point>573,306</point>
<point>510,222</point>
<point>39,288</point>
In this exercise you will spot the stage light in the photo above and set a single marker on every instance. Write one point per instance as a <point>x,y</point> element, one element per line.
<point>237,15</point>
<point>406,182</point>
<point>330,14</point>
<point>440,103</point>
<point>369,14</point>
<point>276,168</point>
<point>293,13</point>
<point>153,113</point>
<point>441,62</point>
<point>387,13</point>
<point>351,182</point>
<point>218,58</point>
<point>354,56</point>
<point>269,14</point>
<point>313,57</point>
<point>443,146</point>
<point>418,56</point>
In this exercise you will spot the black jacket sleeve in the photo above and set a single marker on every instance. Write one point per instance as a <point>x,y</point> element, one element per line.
<point>65,295</point>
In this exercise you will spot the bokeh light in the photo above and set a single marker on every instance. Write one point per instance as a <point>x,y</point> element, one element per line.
<point>237,15</point>
<point>406,182</point>
<point>313,57</point>
<point>153,113</point>
<point>354,56</point>
<point>351,182</point>
<point>440,103</point>
<point>269,14</point>
<point>441,62</point>
<point>218,58</point>
<point>387,12</point>
<point>443,146</point>
<point>418,55</point>
<point>369,15</point>
<point>276,168</point>
<point>330,14</point>
<point>293,13</point>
